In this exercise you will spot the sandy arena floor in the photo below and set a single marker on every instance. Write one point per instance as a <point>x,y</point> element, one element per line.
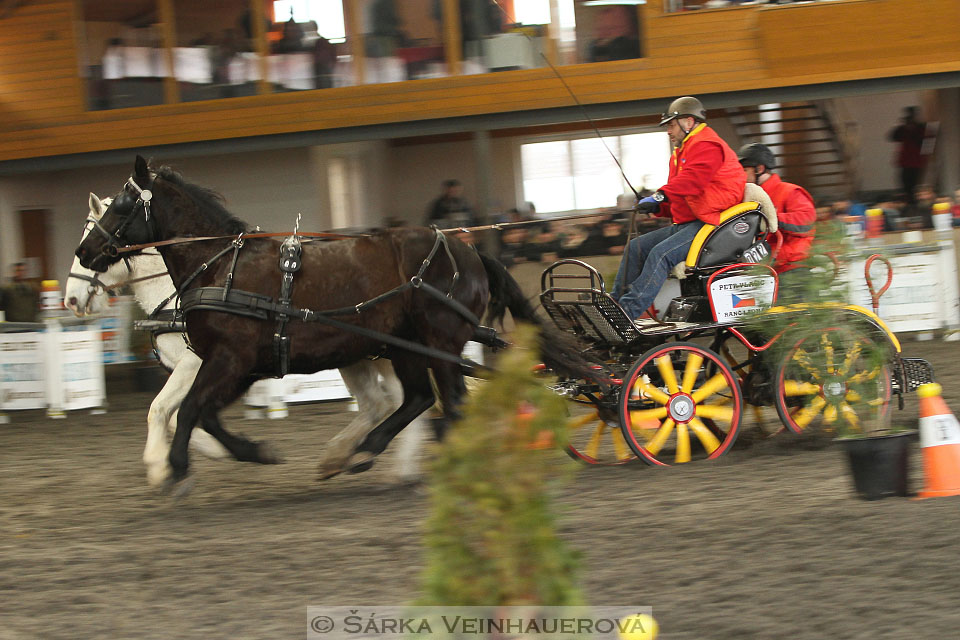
<point>768,542</point>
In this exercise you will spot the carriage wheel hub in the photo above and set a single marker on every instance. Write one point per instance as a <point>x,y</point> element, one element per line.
<point>835,389</point>
<point>681,407</point>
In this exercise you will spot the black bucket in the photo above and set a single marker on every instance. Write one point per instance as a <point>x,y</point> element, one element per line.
<point>879,464</point>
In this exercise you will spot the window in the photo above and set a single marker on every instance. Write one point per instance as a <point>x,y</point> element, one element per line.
<point>328,15</point>
<point>579,173</point>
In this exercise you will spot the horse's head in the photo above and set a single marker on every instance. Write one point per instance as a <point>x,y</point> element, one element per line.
<point>85,292</point>
<point>127,221</point>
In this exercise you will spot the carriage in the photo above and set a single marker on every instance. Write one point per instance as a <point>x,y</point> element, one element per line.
<point>681,384</point>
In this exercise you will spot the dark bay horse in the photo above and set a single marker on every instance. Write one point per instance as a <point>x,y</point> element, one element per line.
<point>238,347</point>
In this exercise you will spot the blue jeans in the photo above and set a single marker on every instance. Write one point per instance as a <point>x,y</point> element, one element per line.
<point>652,255</point>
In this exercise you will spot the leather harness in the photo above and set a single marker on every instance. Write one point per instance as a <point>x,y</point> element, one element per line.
<point>228,299</point>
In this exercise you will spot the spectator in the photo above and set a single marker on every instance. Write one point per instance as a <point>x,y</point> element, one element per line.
<point>385,29</point>
<point>911,159</point>
<point>615,33</point>
<point>292,39</point>
<point>614,236</point>
<point>544,243</point>
<point>324,62</point>
<point>450,209</point>
<point>922,206</point>
<point>513,242</point>
<point>20,299</point>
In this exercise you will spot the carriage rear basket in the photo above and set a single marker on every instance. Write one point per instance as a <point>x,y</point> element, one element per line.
<point>916,371</point>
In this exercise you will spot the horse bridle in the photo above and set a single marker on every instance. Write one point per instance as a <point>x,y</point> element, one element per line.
<point>113,240</point>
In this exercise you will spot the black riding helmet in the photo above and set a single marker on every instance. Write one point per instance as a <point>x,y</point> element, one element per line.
<point>755,154</point>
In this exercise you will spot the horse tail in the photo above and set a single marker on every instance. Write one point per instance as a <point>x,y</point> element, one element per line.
<point>558,350</point>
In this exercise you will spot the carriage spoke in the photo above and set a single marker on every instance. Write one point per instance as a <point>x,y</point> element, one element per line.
<point>830,414</point>
<point>802,358</point>
<point>652,392</point>
<point>850,359</point>
<point>683,444</point>
<point>828,352</point>
<point>667,373</point>
<point>796,388</point>
<point>660,437</point>
<point>619,445</point>
<point>710,387</point>
<point>648,414</point>
<point>805,415</point>
<point>706,437</point>
<point>714,412</point>
<point>864,376</point>
<point>690,372</point>
<point>583,420</point>
<point>593,447</point>
<point>850,416</point>
<point>853,397</point>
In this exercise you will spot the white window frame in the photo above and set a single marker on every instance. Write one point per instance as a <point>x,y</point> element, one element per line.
<point>579,135</point>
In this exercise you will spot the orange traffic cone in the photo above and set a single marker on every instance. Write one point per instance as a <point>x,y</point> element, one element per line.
<point>543,439</point>
<point>939,443</point>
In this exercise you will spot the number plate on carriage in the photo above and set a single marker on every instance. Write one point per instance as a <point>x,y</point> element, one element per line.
<point>757,252</point>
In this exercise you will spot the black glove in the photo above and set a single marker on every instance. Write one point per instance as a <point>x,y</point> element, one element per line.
<point>650,204</point>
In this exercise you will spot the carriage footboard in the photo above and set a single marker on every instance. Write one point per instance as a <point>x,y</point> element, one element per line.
<point>916,371</point>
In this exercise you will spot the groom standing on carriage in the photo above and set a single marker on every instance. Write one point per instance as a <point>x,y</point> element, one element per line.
<point>705,179</point>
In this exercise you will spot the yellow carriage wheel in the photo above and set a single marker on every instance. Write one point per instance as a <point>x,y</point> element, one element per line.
<point>834,375</point>
<point>593,439</point>
<point>680,402</point>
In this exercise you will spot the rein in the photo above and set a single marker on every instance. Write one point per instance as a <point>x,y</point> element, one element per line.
<point>303,234</point>
<point>98,284</point>
<point>497,226</point>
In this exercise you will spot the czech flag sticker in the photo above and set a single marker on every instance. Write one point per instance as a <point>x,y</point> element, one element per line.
<point>739,303</point>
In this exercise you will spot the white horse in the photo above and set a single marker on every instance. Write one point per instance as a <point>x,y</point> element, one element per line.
<point>373,383</point>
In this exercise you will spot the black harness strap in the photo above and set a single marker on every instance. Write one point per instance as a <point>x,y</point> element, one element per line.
<point>290,263</point>
<point>261,307</point>
<point>237,245</point>
<point>238,302</point>
<point>469,366</point>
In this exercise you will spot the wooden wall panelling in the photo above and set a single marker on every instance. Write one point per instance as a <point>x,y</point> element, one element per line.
<point>42,111</point>
<point>855,35</point>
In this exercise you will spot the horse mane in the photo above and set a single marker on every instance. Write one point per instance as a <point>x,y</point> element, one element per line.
<point>210,204</point>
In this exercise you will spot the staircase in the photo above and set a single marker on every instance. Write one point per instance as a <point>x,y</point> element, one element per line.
<point>815,146</point>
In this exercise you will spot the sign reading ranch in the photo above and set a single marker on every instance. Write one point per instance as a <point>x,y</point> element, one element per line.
<point>738,296</point>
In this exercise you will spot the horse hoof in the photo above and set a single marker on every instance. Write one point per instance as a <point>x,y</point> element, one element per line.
<point>158,475</point>
<point>360,462</point>
<point>178,488</point>
<point>326,474</point>
<point>266,454</point>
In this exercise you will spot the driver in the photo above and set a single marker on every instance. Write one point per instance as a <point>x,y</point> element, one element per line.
<point>704,180</point>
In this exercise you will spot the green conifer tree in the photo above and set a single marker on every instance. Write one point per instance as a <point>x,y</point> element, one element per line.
<point>491,536</point>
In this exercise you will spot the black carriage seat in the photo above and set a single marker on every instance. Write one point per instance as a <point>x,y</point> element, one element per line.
<point>741,226</point>
<point>573,295</point>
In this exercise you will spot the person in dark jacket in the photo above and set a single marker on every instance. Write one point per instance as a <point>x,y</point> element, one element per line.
<point>20,300</point>
<point>450,209</point>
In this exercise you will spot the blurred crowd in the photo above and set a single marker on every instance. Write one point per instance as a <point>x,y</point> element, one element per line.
<point>900,212</point>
